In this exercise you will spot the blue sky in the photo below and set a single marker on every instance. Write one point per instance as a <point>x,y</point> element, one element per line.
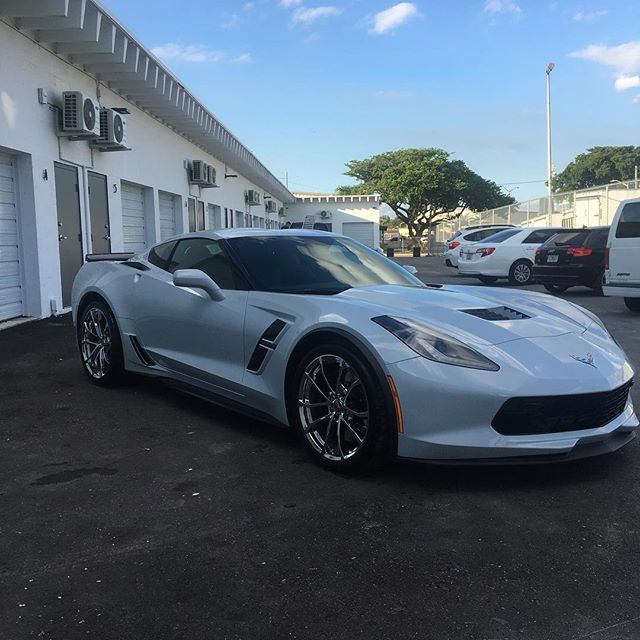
<point>309,84</point>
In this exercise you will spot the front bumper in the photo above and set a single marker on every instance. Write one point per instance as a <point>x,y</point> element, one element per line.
<point>448,410</point>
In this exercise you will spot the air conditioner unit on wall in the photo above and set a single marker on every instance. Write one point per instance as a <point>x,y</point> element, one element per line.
<point>80,115</point>
<point>325,214</point>
<point>252,197</point>
<point>281,211</point>
<point>211,176</point>
<point>271,206</point>
<point>198,173</point>
<point>113,131</point>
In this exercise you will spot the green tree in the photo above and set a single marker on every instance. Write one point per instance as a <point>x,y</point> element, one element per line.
<point>598,166</point>
<point>389,222</point>
<point>423,186</point>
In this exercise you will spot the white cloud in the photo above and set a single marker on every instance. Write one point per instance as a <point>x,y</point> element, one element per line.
<point>249,6</point>
<point>502,6</point>
<point>243,58</point>
<point>304,15</point>
<point>636,99</point>
<point>393,17</point>
<point>588,16</point>
<point>627,82</point>
<point>290,3</point>
<point>187,53</point>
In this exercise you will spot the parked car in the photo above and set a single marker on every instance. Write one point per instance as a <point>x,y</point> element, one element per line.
<point>622,263</point>
<point>572,258</point>
<point>465,237</point>
<point>314,331</point>
<point>507,254</point>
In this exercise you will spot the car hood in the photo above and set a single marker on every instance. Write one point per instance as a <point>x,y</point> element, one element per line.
<point>475,314</point>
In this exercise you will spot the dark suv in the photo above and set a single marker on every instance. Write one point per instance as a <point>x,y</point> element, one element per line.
<point>572,258</point>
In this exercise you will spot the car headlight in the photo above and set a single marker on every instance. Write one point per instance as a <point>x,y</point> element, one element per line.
<point>435,345</point>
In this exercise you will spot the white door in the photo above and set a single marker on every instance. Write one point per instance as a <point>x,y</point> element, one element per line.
<point>167,206</point>
<point>134,231</point>
<point>624,241</point>
<point>360,231</point>
<point>10,268</point>
<point>215,217</point>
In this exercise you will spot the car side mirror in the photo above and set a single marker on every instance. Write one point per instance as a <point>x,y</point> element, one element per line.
<point>196,279</point>
<point>411,269</point>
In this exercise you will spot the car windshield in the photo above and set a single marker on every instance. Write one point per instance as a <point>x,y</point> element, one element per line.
<point>501,236</point>
<point>568,239</point>
<point>314,265</point>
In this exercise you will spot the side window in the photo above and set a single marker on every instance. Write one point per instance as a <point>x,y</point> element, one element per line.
<point>208,256</point>
<point>598,239</point>
<point>474,236</point>
<point>539,236</point>
<point>629,223</point>
<point>159,256</point>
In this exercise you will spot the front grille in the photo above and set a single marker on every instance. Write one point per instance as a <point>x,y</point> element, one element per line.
<point>555,414</point>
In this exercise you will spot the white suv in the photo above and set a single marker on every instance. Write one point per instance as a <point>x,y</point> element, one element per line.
<point>507,254</point>
<point>622,259</point>
<point>467,236</point>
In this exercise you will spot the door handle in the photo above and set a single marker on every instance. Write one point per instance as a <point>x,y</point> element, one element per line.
<point>61,238</point>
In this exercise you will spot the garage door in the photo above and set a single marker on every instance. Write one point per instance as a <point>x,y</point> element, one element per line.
<point>134,234</point>
<point>360,231</point>
<point>10,275</point>
<point>167,205</point>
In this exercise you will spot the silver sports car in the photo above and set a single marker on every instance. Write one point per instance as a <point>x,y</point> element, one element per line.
<point>314,331</point>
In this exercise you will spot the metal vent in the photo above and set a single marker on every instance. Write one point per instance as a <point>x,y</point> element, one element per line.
<point>495,314</point>
<point>70,111</point>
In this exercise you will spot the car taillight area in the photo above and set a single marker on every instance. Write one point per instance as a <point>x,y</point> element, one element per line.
<point>579,252</point>
<point>485,251</point>
<point>454,245</point>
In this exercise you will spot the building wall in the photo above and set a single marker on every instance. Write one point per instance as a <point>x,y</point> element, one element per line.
<point>341,209</point>
<point>157,161</point>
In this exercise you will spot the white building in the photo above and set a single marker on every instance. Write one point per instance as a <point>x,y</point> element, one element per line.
<point>60,198</point>
<point>355,216</point>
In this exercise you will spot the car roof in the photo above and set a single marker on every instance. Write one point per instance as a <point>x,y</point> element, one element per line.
<point>226,234</point>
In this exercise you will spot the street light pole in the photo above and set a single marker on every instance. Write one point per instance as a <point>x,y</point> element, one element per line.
<point>550,68</point>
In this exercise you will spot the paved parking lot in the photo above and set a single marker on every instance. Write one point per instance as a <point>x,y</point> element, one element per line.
<point>140,513</point>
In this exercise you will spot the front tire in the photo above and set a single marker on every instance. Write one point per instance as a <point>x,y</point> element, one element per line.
<point>100,344</point>
<point>339,410</point>
<point>633,304</point>
<point>521,273</point>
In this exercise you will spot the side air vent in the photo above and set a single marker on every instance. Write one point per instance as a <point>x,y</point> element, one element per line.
<point>266,344</point>
<point>495,314</point>
<point>142,354</point>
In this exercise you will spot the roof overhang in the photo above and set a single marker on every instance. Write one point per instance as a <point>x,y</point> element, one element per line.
<point>85,34</point>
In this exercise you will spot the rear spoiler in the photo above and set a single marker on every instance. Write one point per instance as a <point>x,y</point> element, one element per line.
<point>109,257</point>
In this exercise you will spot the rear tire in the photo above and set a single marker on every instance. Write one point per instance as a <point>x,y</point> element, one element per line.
<point>633,304</point>
<point>338,409</point>
<point>555,288</point>
<point>597,284</point>
<point>100,345</point>
<point>521,273</point>
<point>487,279</point>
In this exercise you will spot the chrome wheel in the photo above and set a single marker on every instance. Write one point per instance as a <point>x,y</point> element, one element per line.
<point>95,343</point>
<point>522,273</point>
<point>333,407</point>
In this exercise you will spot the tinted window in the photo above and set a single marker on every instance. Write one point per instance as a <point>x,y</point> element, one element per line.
<point>501,236</point>
<point>296,225</point>
<point>629,223</point>
<point>539,236</point>
<point>568,239</point>
<point>322,226</point>
<point>208,256</point>
<point>310,264</point>
<point>598,238</point>
<point>159,256</point>
<point>474,236</point>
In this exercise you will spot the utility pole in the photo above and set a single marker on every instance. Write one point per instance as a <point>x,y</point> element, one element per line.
<point>550,68</point>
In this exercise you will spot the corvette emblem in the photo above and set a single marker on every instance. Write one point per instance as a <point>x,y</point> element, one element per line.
<point>588,359</point>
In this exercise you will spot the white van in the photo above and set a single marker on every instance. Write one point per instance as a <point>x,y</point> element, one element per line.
<point>622,261</point>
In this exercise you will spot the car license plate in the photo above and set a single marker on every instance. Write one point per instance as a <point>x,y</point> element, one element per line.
<point>552,258</point>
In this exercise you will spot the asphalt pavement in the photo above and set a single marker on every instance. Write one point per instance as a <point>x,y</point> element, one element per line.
<point>141,513</point>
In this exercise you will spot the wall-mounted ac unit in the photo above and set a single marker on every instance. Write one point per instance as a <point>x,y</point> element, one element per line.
<point>211,176</point>
<point>252,197</point>
<point>113,131</point>
<point>281,211</point>
<point>271,206</point>
<point>325,214</point>
<point>80,115</point>
<point>198,173</point>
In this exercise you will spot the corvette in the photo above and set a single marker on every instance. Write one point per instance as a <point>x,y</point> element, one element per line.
<point>315,331</point>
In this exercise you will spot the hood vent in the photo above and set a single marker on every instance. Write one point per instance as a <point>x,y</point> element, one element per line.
<point>495,314</point>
